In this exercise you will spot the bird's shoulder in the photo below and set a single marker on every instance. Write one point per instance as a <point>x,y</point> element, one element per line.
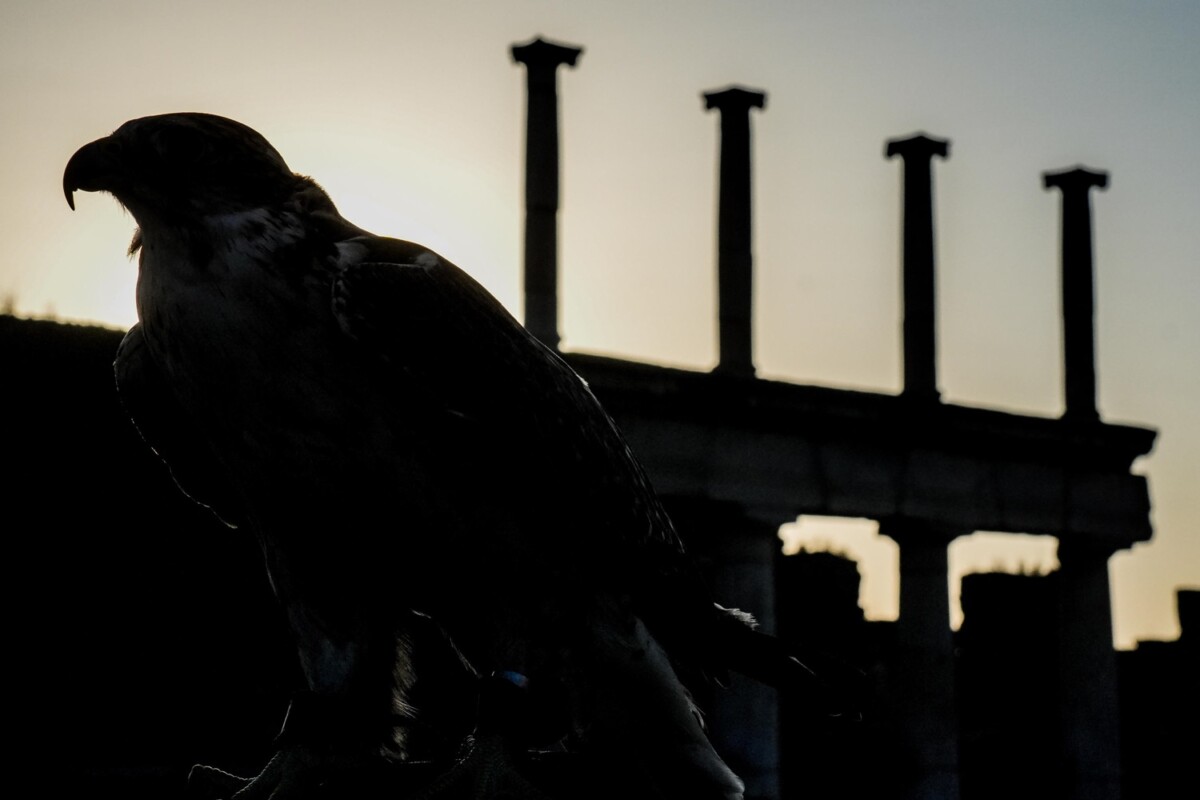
<point>417,310</point>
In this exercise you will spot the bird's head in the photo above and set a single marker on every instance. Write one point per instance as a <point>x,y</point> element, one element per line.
<point>174,167</point>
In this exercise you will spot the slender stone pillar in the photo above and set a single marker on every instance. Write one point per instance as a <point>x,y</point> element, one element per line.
<point>920,317</point>
<point>735,257</point>
<point>922,687</point>
<point>1088,701</point>
<point>542,59</point>
<point>1078,293</point>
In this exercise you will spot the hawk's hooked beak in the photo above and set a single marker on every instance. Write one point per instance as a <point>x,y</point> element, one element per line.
<point>94,167</point>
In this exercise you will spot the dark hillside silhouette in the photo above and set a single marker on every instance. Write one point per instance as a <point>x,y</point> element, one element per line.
<point>148,635</point>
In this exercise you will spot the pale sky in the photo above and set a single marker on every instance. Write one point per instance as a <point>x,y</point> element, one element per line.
<point>411,115</point>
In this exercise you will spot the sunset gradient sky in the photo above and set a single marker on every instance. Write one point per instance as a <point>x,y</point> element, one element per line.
<point>411,115</point>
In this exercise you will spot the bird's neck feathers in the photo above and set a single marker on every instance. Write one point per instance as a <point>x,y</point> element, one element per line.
<point>228,236</point>
<point>240,261</point>
<point>240,251</point>
<point>219,226</point>
<point>217,243</point>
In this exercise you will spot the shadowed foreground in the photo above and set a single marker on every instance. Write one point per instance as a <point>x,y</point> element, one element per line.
<point>560,776</point>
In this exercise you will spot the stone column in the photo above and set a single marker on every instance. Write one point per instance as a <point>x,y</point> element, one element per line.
<point>922,672</point>
<point>738,556</point>
<point>542,60</point>
<point>735,257</point>
<point>920,317</point>
<point>1078,292</point>
<point>1088,710</point>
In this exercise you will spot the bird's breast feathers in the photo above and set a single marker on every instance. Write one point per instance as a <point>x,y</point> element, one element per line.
<point>240,321</point>
<point>240,317</point>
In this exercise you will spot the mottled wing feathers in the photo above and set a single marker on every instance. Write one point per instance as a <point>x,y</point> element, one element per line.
<point>452,340</point>
<point>453,344</point>
<point>437,327</point>
<point>148,399</point>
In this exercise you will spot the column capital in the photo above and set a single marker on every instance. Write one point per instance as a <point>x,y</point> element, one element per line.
<point>1074,179</point>
<point>917,531</point>
<point>919,145</point>
<point>734,98</point>
<point>541,52</point>
<point>1080,549</point>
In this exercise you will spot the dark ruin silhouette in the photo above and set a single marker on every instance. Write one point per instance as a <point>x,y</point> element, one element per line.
<point>154,641</point>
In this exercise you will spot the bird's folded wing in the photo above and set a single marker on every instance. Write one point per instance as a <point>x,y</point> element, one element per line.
<point>157,416</point>
<point>452,342</point>
<point>449,341</point>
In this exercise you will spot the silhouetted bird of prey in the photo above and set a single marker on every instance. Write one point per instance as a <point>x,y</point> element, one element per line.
<point>404,450</point>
